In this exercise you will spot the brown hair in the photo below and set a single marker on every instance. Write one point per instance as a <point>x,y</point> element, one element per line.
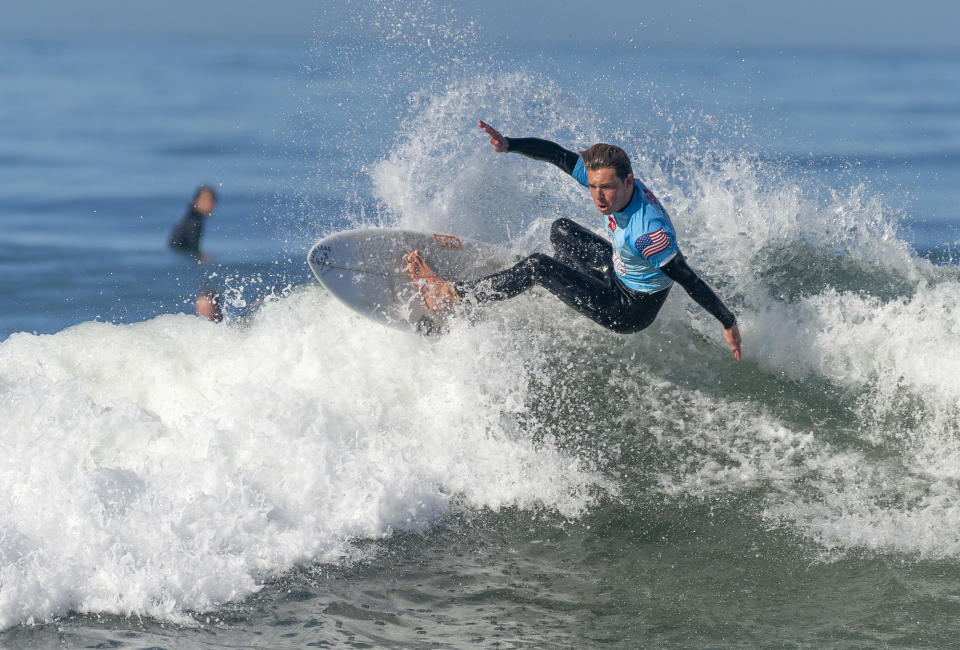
<point>603,155</point>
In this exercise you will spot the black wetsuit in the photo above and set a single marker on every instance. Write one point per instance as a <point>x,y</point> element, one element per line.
<point>582,273</point>
<point>186,235</point>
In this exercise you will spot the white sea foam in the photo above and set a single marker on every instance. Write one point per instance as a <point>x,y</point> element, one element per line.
<point>174,464</point>
<point>891,359</point>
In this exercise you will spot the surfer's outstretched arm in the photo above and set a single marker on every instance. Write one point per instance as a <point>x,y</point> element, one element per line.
<point>680,272</point>
<point>535,148</point>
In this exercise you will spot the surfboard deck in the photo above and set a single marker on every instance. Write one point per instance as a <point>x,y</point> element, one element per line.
<point>366,269</point>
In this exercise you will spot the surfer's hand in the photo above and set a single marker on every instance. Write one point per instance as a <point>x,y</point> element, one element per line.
<point>499,142</point>
<point>732,337</point>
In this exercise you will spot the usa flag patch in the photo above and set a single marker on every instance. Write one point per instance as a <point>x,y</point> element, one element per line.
<point>655,242</point>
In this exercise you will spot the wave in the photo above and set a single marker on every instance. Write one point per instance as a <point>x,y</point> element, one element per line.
<point>171,465</point>
<point>844,414</point>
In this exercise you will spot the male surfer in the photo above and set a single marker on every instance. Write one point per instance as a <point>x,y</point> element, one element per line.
<point>620,286</point>
<point>186,235</point>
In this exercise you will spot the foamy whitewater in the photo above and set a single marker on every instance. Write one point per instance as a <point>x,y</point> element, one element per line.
<point>171,467</point>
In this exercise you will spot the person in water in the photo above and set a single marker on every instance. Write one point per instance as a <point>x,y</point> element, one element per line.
<point>186,235</point>
<point>209,305</point>
<point>620,284</point>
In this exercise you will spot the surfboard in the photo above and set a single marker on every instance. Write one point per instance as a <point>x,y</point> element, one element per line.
<point>366,269</point>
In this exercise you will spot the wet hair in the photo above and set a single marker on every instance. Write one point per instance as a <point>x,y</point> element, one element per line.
<point>202,189</point>
<point>601,156</point>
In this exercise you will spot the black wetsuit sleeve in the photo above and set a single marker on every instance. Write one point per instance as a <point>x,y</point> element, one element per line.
<point>544,150</point>
<point>680,272</point>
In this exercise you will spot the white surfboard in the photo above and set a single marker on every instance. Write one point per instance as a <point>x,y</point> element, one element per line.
<point>366,269</point>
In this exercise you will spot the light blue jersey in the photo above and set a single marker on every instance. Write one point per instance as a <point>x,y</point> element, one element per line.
<point>643,238</point>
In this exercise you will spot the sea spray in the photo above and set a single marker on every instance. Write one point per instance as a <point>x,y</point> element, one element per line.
<point>175,464</point>
<point>834,305</point>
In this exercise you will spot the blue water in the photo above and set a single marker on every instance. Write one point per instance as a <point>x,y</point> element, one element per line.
<point>103,146</point>
<point>285,478</point>
<point>105,142</point>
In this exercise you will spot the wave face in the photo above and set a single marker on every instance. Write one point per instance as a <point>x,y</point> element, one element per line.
<point>845,412</point>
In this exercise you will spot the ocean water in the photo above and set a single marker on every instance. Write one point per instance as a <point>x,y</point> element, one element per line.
<point>298,476</point>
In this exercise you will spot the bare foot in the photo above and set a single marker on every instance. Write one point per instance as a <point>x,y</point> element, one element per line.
<point>438,294</point>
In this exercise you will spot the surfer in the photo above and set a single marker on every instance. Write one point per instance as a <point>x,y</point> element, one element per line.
<point>622,285</point>
<point>209,305</point>
<point>186,235</point>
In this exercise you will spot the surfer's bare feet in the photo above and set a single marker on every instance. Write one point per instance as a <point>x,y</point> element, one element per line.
<point>438,294</point>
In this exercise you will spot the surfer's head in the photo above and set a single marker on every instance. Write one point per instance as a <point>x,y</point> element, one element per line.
<point>609,176</point>
<point>204,200</point>
<point>209,305</point>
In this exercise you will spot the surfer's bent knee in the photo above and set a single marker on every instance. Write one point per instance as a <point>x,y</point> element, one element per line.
<point>560,228</point>
<point>536,264</point>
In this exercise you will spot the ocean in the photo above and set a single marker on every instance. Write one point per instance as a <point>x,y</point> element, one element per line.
<point>300,476</point>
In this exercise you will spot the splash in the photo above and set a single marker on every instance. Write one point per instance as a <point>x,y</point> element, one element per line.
<point>442,173</point>
<point>837,312</point>
<point>171,465</point>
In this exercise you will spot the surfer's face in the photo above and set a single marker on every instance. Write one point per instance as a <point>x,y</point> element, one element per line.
<point>610,193</point>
